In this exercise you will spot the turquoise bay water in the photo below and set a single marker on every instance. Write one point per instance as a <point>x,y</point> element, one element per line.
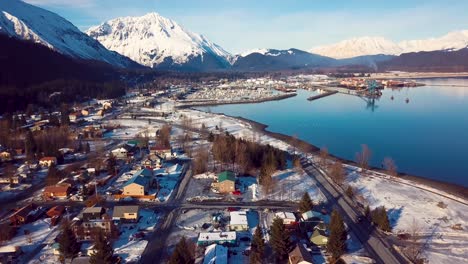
<point>428,136</point>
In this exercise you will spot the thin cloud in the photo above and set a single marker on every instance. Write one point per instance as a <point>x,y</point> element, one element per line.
<point>63,3</point>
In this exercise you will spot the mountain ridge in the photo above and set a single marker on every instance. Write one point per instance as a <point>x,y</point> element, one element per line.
<point>159,42</point>
<point>28,22</point>
<point>363,46</point>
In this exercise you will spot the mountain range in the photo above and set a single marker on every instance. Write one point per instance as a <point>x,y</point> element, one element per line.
<point>378,45</point>
<point>160,43</point>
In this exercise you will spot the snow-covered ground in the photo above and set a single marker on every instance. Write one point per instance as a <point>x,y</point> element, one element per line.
<point>190,224</point>
<point>289,185</point>
<point>127,246</point>
<point>409,205</point>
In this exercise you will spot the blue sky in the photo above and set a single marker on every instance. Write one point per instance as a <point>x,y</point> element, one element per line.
<point>248,24</point>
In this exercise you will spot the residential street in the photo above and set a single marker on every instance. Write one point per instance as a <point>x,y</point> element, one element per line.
<point>368,235</point>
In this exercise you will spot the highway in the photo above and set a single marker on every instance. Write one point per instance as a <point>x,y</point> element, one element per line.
<point>373,241</point>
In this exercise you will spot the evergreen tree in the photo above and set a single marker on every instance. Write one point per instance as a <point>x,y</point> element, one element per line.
<point>87,148</point>
<point>306,203</point>
<point>183,253</point>
<point>367,212</point>
<point>111,164</point>
<point>257,250</point>
<point>80,146</point>
<point>336,245</point>
<point>30,145</point>
<point>68,245</point>
<point>53,175</point>
<point>103,252</point>
<point>380,218</point>
<point>64,118</point>
<point>279,239</point>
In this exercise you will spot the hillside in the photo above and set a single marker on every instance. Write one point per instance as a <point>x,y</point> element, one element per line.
<point>437,61</point>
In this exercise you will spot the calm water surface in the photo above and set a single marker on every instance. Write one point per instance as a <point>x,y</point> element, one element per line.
<point>426,137</point>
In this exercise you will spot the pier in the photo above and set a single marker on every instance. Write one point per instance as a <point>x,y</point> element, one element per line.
<point>325,94</point>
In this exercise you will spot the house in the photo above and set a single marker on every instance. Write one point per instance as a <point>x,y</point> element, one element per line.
<point>126,213</point>
<point>74,116</point>
<point>314,216</point>
<point>93,213</point>
<point>10,254</point>
<point>238,221</point>
<point>216,254</point>
<point>220,238</point>
<point>288,218</point>
<point>47,161</point>
<point>300,255</point>
<point>5,156</point>
<point>163,152</point>
<point>92,218</point>
<point>55,211</point>
<point>152,162</point>
<point>23,215</point>
<point>226,182</point>
<point>59,191</point>
<point>136,186</point>
<point>55,249</point>
<point>120,153</point>
<point>11,180</point>
<point>319,238</point>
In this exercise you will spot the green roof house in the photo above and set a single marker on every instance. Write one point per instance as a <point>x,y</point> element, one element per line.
<point>226,182</point>
<point>319,238</point>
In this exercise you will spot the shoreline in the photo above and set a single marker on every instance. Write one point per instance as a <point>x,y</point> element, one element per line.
<point>215,102</point>
<point>450,188</point>
<point>419,75</point>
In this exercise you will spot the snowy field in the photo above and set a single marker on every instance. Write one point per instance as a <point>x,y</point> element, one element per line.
<point>290,185</point>
<point>130,128</point>
<point>438,218</point>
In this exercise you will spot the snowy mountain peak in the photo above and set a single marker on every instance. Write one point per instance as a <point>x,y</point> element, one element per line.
<point>25,21</point>
<point>358,47</point>
<point>378,45</point>
<point>153,40</point>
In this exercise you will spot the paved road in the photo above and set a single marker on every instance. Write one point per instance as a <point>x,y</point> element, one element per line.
<point>370,238</point>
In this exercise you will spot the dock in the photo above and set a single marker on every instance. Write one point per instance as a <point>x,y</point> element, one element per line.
<point>325,94</point>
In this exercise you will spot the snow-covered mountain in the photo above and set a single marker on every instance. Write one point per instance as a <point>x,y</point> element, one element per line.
<point>358,47</point>
<point>377,45</point>
<point>272,60</point>
<point>159,42</point>
<point>28,22</point>
<point>455,40</point>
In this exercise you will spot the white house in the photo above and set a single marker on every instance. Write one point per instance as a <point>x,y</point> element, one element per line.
<point>288,218</point>
<point>120,153</point>
<point>238,221</point>
<point>220,238</point>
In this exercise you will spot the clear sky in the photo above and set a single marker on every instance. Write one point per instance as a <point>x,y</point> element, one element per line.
<point>240,25</point>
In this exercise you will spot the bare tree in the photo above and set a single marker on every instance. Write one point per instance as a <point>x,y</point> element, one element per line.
<point>415,249</point>
<point>323,157</point>
<point>163,136</point>
<point>200,162</point>
<point>363,157</point>
<point>337,173</point>
<point>390,166</point>
<point>242,160</point>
